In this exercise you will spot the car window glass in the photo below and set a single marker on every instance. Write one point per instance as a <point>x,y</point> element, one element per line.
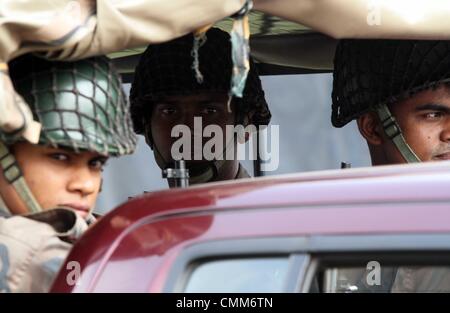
<point>239,275</point>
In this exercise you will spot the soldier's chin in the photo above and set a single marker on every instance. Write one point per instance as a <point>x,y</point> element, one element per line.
<point>198,168</point>
<point>189,164</point>
<point>192,165</point>
<point>195,162</point>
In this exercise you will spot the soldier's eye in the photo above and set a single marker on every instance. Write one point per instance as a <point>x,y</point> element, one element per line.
<point>209,110</point>
<point>433,115</point>
<point>59,156</point>
<point>168,111</point>
<point>98,163</point>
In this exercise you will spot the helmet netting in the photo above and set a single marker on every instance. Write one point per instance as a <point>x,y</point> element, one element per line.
<point>372,72</point>
<point>80,104</point>
<point>166,70</point>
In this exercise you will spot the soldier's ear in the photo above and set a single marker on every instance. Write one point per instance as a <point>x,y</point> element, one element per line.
<point>370,128</point>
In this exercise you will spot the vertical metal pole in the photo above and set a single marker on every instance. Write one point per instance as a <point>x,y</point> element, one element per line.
<point>179,175</point>
<point>183,180</point>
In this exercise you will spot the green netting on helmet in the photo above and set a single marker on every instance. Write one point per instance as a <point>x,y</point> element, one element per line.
<point>81,104</point>
<point>368,73</point>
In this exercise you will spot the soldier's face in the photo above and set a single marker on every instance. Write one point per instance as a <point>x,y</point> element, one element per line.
<point>425,123</point>
<point>181,110</point>
<point>56,177</point>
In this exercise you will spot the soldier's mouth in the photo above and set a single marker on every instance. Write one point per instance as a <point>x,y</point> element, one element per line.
<point>80,208</point>
<point>442,157</point>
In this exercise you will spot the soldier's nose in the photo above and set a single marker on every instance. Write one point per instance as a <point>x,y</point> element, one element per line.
<point>83,182</point>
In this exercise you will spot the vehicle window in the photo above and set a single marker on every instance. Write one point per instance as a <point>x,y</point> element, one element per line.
<point>239,275</point>
<point>391,279</point>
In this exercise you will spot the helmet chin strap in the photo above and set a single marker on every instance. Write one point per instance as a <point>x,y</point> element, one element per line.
<point>3,208</point>
<point>394,133</point>
<point>13,175</point>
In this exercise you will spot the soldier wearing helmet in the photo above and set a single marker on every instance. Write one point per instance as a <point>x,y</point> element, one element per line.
<point>166,92</point>
<point>50,188</point>
<point>399,93</point>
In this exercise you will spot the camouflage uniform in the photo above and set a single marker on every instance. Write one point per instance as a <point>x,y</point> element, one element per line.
<point>33,247</point>
<point>80,106</point>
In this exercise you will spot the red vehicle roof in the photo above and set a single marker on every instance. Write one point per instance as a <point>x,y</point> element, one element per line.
<point>149,231</point>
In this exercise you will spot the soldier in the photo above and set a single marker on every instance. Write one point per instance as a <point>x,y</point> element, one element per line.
<point>49,189</point>
<point>166,92</point>
<point>399,92</point>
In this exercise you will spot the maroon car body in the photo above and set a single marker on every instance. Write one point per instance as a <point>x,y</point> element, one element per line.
<point>138,246</point>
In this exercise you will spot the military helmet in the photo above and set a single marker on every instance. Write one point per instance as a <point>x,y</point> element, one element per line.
<point>371,75</point>
<point>166,69</point>
<point>371,72</point>
<point>81,105</point>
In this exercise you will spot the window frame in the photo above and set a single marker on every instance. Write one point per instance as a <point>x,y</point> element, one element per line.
<point>308,254</point>
<point>389,250</point>
<point>191,256</point>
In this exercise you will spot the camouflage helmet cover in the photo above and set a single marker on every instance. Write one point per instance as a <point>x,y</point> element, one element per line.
<point>166,69</point>
<point>368,73</point>
<point>80,104</point>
